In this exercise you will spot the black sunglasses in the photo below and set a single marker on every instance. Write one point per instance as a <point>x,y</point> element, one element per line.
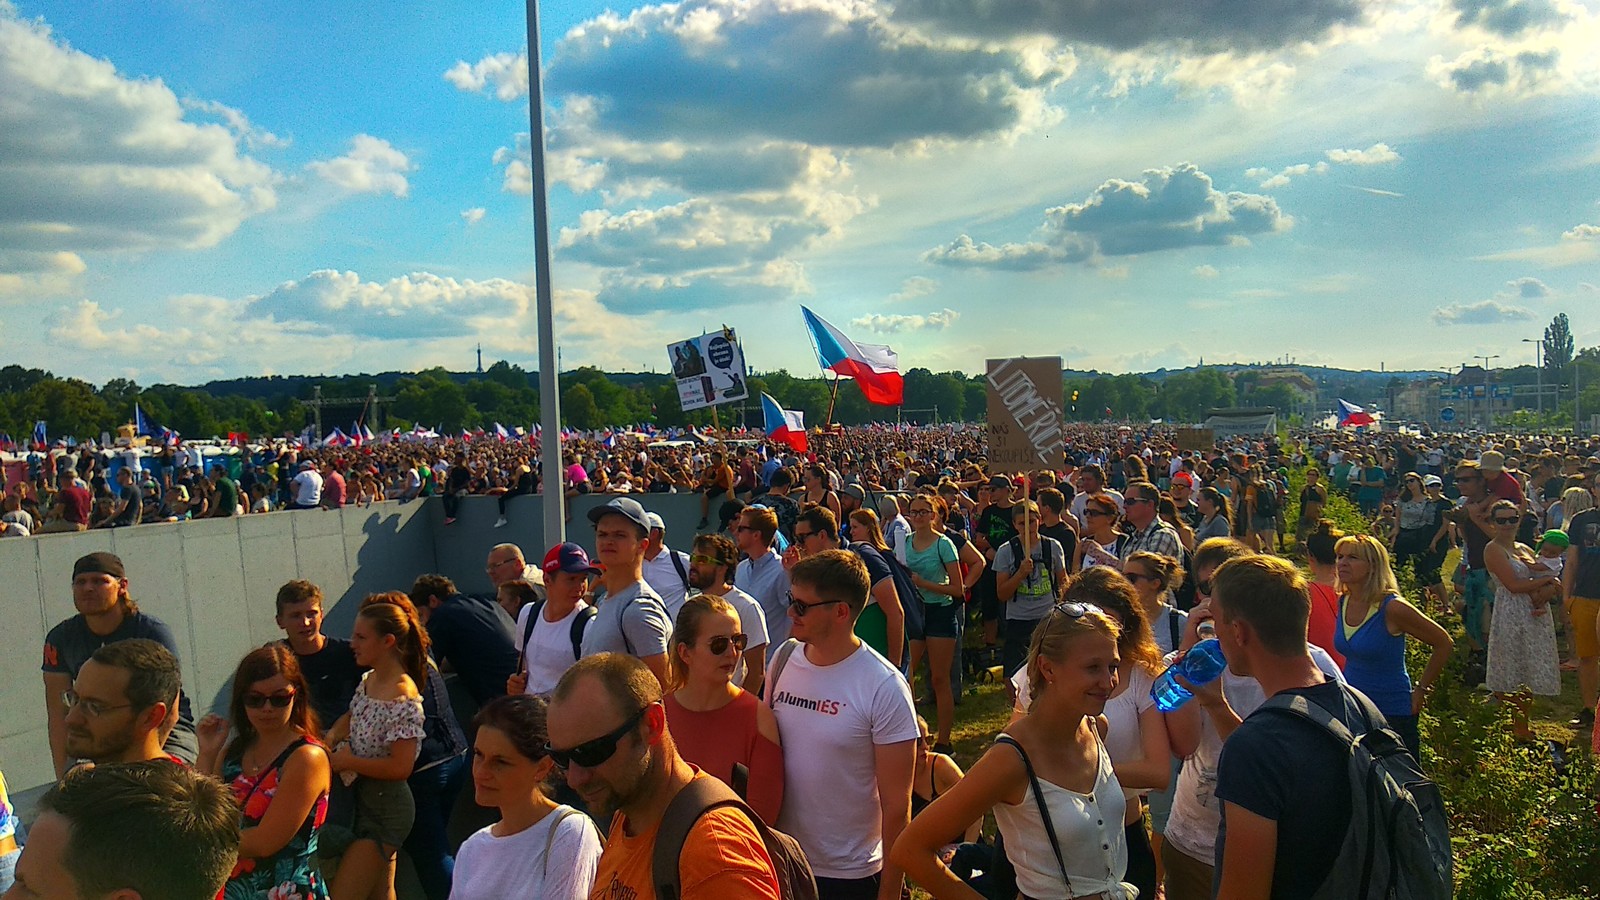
<point>594,752</point>
<point>1203,587</point>
<point>278,700</point>
<point>1501,520</point>
<point>719,644</point>
<point>1076,610</point>
<point>800,607</point>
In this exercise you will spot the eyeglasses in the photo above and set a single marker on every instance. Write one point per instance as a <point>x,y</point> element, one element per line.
<point>704,560</point>
<point>920,512</point>
<point>495,565</point>
<point>94,709</point>
<point>1076,610</point>
<point>800,536</point>
<point>719,644</point>
<point>1127,501</point>
<point>278,700</point>
<point>1503,520</point>
<point>1203,587</point>
<point>594,752</point>
<point>800,607</point>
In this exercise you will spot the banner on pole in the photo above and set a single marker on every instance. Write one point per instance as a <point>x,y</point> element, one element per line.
<point>1196,439</point>
<point>709,369</point>
<point>1026,423</point>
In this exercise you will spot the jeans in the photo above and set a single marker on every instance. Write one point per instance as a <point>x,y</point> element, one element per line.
<point>849,888</point>
<point>434,791</point>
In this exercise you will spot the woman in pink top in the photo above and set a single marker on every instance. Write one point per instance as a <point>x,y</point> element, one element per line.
<point>718,726</point>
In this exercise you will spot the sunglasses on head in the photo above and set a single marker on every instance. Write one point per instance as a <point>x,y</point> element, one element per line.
<point>1076,610</point>
<point>719,644</point>
<point>278,701</point>
<point>594,752</point>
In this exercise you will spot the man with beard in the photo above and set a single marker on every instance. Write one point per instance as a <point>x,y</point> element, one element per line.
<point>608,733</point>
<point>122,703</point>
<point>711,568</point>
<point>106,615</point>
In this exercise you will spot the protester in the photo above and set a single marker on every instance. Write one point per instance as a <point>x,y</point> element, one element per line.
<point>538,848</point>
<point>1154,577</point>
<point>123,704</point>
<point>1215,516</point>
<point>1048,777</point>
<point>1102,539</point>
<point>1374,621</point>
<point>888,621</point>
<point>1323,587</point>
<point>849,728</point>
<point>722,729</point>
<point>139,831</point>
<point>1522,632</point>
<point>1030,575</point>
<point>711,569</point>
<point>470,635</point>
<point>327,664</point>
<point>762,574</point>
<point>935,567</point>
<point>550,634</point>
<point>631,616</point>
<point>1580,591</point>
<point>608,733</point>
<point>666,570</point>
<point>279,774</point>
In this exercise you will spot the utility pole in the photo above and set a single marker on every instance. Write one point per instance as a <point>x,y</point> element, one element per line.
<point>555,520</point>
<point>1538,367</point>
<point>1488,401</point>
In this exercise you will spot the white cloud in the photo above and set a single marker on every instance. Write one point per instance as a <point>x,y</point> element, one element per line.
<point>1529,288</point>
<point>1508,18</point>
<point>507,73</point>
<point>254,137</point>
<point>419,305</point>
<point>1378,192</point>
<point>1584,232</point>
<point>1205,271</point>
<point>26,276</point>
<point>1376,155</point>
<point>1166,209</point>
<point>474,215</point>
<point>1485,312</point>
<point>1486,70</point>
<point>1579,244</point>
<point>373,166</point>
<point>914,287</point>
<point>1282,177</point>
<point>889,324</point>
<point>92,160</point>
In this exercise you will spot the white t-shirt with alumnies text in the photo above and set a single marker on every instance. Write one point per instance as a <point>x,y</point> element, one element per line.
<point>832,719</point>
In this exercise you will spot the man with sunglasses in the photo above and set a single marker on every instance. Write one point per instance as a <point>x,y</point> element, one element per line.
<point>850,732</point>
<point>631,617</point>
<point>1151,533</point>
<point>817,531</point>
<point>122,704</point>
<point>608,732</point>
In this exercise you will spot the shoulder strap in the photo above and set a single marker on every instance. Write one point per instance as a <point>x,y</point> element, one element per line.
<point>562,813</point>
<point>1044,810</point>
<point>1299,705</point>
<point>697,798</point>
<point>580,622</point>
<point>1172,626</point>
<point>534,611</point>
<point>779,660</point>
<point>677,563</point>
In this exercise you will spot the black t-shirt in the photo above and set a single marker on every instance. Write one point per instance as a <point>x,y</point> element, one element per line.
<point>1289,770</point>
<point>1584,531</point>
<point>994,523</point>
<point>70,644</point>
<point>877,568</point>
<point>478,638</point>
<point>1066,537</point>
<point>331,675</point>
<point>132,513</point>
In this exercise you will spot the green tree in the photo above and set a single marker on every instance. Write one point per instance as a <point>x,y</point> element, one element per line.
<point>1558,346</point>
<point>67,406</point>
<point>433,399</point>
<point>504,373</point>
<point>1186,396</point>
<point>578,409</point>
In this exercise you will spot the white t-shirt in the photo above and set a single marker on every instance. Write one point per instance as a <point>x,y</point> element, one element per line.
<point>1082,499</point>
<point>548,652</point>
<point>1196,814</point>
<point>307,488</point>
<point>832,718</point>
<point>502,868</point>
<point>662,575</point>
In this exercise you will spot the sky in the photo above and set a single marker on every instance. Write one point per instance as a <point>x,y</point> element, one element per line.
<point>194,190</point>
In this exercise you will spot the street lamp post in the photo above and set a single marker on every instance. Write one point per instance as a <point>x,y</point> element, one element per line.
<point>1538,367</point>
<point>555,528</point>
<point>1488,401</point>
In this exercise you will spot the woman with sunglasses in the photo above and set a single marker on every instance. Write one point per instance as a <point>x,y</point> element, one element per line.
<point>279,774</point>
<point>1374,622</point>
<point>935,567</point>
<point>538,848</point>
<point>1100,543</point>
<point>1154,578</point>
<point>717,725</point>
<point>1522,631</point>
<point>1414,525</point>
<point>1048,778</point>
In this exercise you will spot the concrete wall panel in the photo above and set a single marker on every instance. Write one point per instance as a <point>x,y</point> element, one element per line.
<point>213,570</point>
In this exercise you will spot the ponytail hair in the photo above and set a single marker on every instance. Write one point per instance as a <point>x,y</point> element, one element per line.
<point>392,613</point>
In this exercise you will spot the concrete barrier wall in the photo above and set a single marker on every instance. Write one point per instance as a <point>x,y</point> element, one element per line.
<point>214,581</point>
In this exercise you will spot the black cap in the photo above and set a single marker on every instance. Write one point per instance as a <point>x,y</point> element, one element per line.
<point>101,562</point>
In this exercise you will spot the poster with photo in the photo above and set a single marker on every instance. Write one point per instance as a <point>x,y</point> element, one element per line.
<point>709,369</point>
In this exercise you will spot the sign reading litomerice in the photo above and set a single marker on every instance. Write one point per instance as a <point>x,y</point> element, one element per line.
<point>709,369</point>
<point>1026,425</point>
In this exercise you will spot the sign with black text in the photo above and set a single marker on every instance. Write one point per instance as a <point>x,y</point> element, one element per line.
<point>708,369</point>
<point>1027,427</point>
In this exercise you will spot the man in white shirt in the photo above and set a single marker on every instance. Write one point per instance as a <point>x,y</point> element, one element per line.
<point>850,734</point>
<point>665,569</point>
<point>550,632</point>
<point>761,574</point>
<point>711,569</point>
<point>306,488</point>
<point>1092,483</point>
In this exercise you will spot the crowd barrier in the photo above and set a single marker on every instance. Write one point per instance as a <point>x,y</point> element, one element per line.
<point>213,582</point>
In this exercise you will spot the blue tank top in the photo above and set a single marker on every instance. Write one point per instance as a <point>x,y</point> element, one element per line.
<point>1375,661</point>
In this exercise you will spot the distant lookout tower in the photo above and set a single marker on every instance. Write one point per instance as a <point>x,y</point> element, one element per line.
<point>480,359</point>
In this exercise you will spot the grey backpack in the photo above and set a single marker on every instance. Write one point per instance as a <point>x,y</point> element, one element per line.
<point>1397,846</point>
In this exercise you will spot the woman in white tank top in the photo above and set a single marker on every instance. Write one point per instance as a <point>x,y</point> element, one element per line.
<point>1048,779</point>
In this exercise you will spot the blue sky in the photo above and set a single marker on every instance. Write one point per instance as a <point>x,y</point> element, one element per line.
<point>192,190</point>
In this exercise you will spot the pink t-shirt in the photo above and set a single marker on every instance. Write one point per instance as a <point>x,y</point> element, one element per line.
<point>576,474</point>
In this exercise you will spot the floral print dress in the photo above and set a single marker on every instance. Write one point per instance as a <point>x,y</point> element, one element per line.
<point>291,873</point>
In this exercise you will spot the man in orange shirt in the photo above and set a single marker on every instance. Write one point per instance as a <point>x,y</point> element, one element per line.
<point>608,732</point>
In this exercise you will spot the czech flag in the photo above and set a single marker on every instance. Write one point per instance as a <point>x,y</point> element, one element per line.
<point>874,367</point>
<point>1351,415</point>
<point>501,432</point>
<point>786,425</point>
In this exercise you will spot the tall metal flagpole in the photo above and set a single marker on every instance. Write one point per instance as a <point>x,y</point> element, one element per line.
<point>555,520</point>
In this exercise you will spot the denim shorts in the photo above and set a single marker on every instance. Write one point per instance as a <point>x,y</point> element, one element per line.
<point>939,620</point>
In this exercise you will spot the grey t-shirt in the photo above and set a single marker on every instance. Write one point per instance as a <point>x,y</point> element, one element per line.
<point>1034,597</point>
<point>632,621</point>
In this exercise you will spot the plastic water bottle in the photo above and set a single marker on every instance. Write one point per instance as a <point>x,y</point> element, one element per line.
<point>1201,665</point>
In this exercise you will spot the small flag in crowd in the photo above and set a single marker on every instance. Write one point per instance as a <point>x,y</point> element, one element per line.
<point>1351,415</point>
<point>786,425</point>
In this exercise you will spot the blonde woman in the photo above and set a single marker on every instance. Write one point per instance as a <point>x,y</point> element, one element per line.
<point>1049,777</point>
<point>1374,622</point>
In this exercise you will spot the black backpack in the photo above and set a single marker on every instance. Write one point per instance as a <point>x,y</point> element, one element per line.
<point>904,588</point>
<point>1397,846</point>
<point>700,796</point>
<point>574,631</point>
<point>1049,558</point>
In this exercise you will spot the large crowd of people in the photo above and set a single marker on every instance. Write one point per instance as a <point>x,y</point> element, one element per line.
<point>740,718</point>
